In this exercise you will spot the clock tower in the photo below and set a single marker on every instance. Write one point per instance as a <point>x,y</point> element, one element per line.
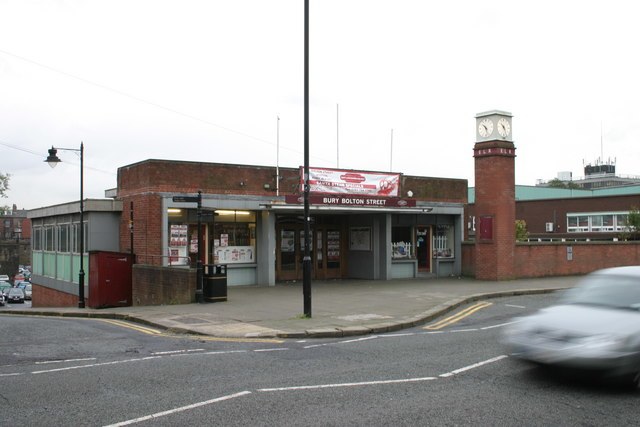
<point>495,207</point>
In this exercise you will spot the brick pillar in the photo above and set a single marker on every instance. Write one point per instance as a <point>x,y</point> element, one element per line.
<point>495,209</point>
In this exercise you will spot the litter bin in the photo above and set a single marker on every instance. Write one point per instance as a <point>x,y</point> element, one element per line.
<point>215,283</point>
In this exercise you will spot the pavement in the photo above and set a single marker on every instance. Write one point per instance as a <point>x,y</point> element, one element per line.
<point>339,308</point>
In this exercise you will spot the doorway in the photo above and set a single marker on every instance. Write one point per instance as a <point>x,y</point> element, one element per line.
<point>423,248</point>
<point>326,251</point>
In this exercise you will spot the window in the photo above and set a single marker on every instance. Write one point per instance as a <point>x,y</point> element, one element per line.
<point>74,238</point>
<point>49,238</point>
<point>63,238</point>
<point>596,222</point>
<point>443,241</point>
<point>621,222</point>
<point>401,242</point>
<point>36,240</point>
<point>234,237</point>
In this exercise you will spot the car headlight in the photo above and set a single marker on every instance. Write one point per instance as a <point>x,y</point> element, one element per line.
<point>603,341</point>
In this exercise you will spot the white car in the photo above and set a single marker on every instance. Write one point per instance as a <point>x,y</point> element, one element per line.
<point>4,278</point>
<point>595,328</point>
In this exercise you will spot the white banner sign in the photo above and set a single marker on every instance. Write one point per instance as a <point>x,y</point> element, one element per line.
<point>335,181</point>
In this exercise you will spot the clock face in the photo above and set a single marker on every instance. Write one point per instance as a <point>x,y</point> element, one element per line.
<point>504,128</point>
<point>485,128</point>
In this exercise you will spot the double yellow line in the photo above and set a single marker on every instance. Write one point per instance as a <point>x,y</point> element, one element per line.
<point>458,316</point>
<point>135,327</point>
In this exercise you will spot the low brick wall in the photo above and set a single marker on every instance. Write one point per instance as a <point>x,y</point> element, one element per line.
<point>47,297</point>
<point>545,259</point>
<point>154,285</point>
<point>551,259</point>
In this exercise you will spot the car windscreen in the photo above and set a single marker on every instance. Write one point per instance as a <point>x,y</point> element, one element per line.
<point>15,291</point>
<point>613,291</point>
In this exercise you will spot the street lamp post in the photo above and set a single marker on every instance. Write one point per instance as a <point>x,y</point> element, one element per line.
<point>53,160</point>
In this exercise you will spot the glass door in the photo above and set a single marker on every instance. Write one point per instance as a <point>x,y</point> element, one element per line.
<point>287,267</point>
<point>329,253</point>
<point>290,252</point>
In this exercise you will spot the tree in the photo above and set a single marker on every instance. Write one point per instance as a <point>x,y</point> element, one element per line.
<point>556,183</point>
<point>4,184</point>
<point>521,230</point>
<point>633,222</point>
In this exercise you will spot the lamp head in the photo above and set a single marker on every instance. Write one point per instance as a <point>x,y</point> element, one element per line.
<point>53,159</point>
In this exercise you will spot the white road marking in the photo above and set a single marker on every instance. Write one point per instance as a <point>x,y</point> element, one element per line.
<point>162,353</point>
<point>15,374</point>
<point>514,306</point>
<point>94,365</point>
<point>371,337</point>
<point>408,334</point>
<point>359,384</point>
<point>475,365</point>
<point>181,409</point>
<point>315,345</point>
<point>496,326</point>
<point>270,349</point>
<point>65,361</point>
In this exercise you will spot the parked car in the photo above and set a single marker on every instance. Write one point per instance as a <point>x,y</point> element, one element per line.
<point>1,299</point>
<point>15,295</point>
<point>4,287</point>
<point>27,292</point>
<point>4,278</point>
<point>595,328</point>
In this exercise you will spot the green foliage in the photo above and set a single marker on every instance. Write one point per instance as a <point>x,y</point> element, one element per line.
<point>633,222</point>
<point>556,183</point>
<point>4,184</point>
<point>521,230</point>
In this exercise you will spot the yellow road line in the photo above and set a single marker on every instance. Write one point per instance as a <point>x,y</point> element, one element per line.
<point>138,328</point>
<point>458,316</point>
<point>150,331</point>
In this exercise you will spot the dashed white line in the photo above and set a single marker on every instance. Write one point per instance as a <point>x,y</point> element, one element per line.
<point>264,350</point>
<point>514,306</point>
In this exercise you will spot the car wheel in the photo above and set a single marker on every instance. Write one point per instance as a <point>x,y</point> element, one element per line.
<point>635,381</point>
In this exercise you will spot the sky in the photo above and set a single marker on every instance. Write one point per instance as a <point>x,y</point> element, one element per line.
<point>395,85</point>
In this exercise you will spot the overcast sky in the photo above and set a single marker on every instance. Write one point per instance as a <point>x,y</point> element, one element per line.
<point>207,80</point>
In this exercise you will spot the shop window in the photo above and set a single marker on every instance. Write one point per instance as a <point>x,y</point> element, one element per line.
<point>234,237</point>
<point>401,243</point>
<point>443,241</point>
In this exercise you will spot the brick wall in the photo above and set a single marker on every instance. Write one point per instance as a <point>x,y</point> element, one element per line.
<point>46,297</point>
<point>550,259</point>
<point>154,285</point>
<point>540,259</point>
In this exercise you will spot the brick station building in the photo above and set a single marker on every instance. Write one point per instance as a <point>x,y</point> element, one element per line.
<point>364,224</point>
